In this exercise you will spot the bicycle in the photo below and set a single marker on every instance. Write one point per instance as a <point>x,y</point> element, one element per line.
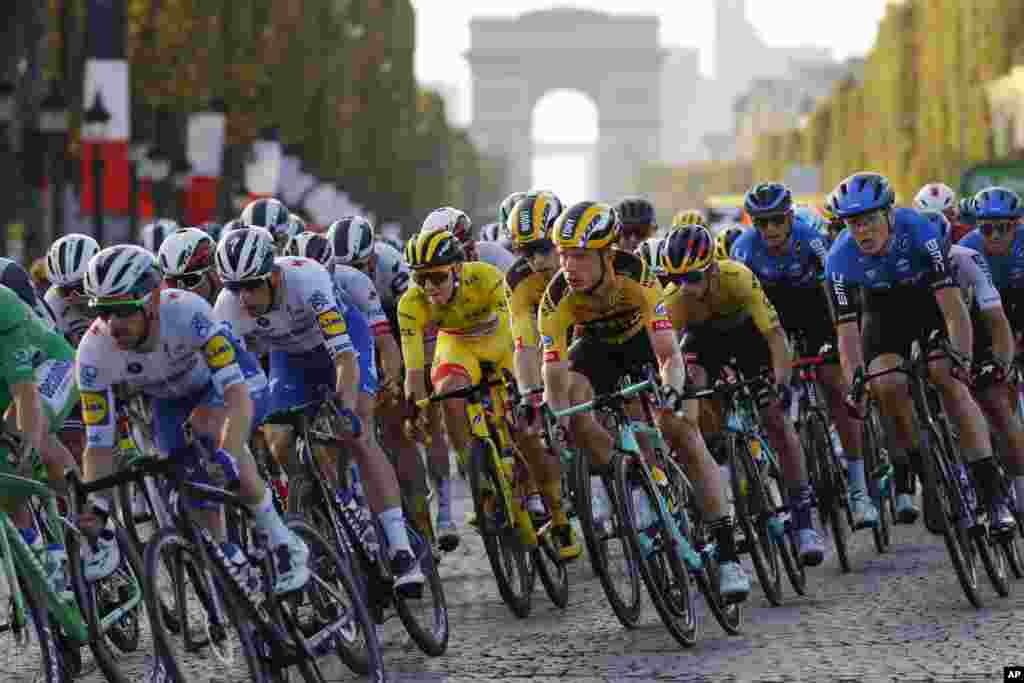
<point>499,481</point>
<point>880,475</point>
<point>945,478</point>
<point>660,546</point>
<point>100,614</point>
<point>312,496</point>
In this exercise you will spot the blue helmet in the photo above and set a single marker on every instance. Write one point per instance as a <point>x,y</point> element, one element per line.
<point>768,199</point>
<point>997,202</point>
<point>861,193</point>
<point>941,223</point>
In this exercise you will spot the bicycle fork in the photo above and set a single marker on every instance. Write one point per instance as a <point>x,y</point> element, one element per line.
<point>676,520</point>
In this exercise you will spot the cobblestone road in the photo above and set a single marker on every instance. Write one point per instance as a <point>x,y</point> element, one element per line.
<point>899,616</point>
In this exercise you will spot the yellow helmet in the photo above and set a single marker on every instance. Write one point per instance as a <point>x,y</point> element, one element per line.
<point>688,248</point>
<point>39,272</point>
<point>724,241</point>
<point>689,217</point>
<point>433,249</point>
<point>587,225</point>
<point>532,217</point>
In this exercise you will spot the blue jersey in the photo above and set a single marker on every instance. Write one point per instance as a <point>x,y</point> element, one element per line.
<point>1007,271</point>
<point>903,277</point>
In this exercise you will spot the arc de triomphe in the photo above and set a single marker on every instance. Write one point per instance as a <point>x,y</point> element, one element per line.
<point>614,59</point>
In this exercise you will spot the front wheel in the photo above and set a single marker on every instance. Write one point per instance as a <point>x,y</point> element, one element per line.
<point>426,617</point>
<point>554,575</point>
<point>829,483</point>
<point>753,512</point>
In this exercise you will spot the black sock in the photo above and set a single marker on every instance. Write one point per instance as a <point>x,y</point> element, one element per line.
<point>722,531</point>
<point>800,500</point>
<point>986,479</point>
<point>904,477</point>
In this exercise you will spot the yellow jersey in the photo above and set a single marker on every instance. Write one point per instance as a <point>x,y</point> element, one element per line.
<point>633,303</point>
<point>477,309</point>
<point>735,298</point>
<point>524,290</point>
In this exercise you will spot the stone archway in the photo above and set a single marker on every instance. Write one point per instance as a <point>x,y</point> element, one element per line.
<point>615,60</point>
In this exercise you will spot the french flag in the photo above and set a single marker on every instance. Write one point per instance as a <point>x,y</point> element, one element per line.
<point>106,72</point>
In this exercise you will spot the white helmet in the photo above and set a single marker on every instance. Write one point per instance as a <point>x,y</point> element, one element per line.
<point>68,258</point>
<point>268,213</point>
<point>186,251</point>
<point>935,197</point>
<point>311,245</point>
<point>351,240</point>
<point>296,226</point>
<point>245,254</point>
<point>650,250</point>
<point>451,219</point>
<point>124,271</point>
<point>491,232</point>
<point>154,234</point>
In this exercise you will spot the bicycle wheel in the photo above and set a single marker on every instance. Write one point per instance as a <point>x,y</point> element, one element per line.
<point>611,556</point>
<point>510,560</point>
<point>829,483</point>
<point>663,572</point>
<point>330,609</point>
<point>691,520</point>
<point>52,653</point>
<point>426,617</point>
<point>752,514</point>
<point>553,573</point>
<point>208,618</point>
<point>781,529</point>
<point>880,479</point>
<point>100,599</point>
<point>1008,541</point>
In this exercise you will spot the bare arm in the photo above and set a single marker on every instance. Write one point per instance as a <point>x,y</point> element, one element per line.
<point>1002,336</point>
<point>238,425</point>
<point>782,357</point>
<point>851,353</point>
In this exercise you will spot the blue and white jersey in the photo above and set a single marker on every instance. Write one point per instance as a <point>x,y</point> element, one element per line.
<point>912,265</point>
<point>799,265</point>
<point>357,289</point>
<point>1007,271</point>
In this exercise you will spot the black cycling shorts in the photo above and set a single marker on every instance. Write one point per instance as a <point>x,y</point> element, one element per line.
<point>605,364</point>
<point>894,329</point>
<point>713,349</point>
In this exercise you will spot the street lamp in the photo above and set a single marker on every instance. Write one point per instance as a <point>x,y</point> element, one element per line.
<point>53,123</point>
<point>96,119</point>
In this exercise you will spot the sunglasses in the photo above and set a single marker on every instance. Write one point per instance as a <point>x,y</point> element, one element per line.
<point>537,248</point>
<point>105,310</point>
<point>690,278</point>
<point>765,221</point>
<point>1001,227</point>
<point>244,285</point>
<point>186,281</point>
<point>438,278</point>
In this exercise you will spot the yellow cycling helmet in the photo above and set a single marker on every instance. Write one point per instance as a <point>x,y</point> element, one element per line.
<point>433,249</point>
<point>689,217</point>
<point>724,241</point>
<point>587,225</point>
<point>532,217</point>
<point>688,248</point>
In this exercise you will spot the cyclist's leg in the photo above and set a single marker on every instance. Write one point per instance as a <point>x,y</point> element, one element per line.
<point>455,366</point>
<point>594,370</point>
<point>438,464</point>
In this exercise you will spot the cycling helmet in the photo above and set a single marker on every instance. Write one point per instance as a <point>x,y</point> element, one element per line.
<point>587,225</point>
<point>451,219</point>
<point>68,259</point>
<point>935,197</point>
<point>532,218</point>
<point>689,217</point>
<point>637,211</point>
<point>311,245</point>
<point>246,254</point>
<point>941,223</point>
<point>296,226</point>
<point>996,203</point>
<point>351,240</point>
<point>186,251</point>
<point>124,271</point>
<point>154,234</point>
<point>267,213</point>
<point>860,193</point>
<point>231,225</point>
<point>491,232</point>
<point>649,252</point>
<point>768,199</point>
<point>725,239</point>
<point>687,249</point>
<point>433,249</point>
<point>213,229</point>
<point>966,207</point>
<point>506,206</point>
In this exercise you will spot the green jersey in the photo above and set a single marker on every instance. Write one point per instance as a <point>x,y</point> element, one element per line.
<point>30,351</point>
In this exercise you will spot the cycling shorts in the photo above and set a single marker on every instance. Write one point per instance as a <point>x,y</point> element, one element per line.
<point>298,378</point>
<point>893,330</point>
<point>462,354</point>
<point>604,363</point>
<point>713,349</point>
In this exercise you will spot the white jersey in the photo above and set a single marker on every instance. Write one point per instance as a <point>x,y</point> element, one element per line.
<point>390,274</point>
<point>356,288</point>
<point>72,321</point>
<point>191,351</point>
<point>496,255</point>
<point>974,277</point>
<point>305,314</point>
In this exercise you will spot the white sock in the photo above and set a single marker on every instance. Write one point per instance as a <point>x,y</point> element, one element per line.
<point>266,519</point>
<point>393,522</point>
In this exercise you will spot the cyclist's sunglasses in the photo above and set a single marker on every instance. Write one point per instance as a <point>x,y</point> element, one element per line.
<point>437,278</point>
<point>765,221</point>
<point>187,280</point>
<point>535,248</point>
<point>1002,226</point>
<point>105,310</point>
<point>244,285</point>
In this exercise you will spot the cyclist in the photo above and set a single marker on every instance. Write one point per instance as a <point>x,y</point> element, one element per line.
<point>66,263</point>
<point>186,259</point>
<point>638,222</point>
<point>649,252</point>
<point>272,215</point>
<point>506,206</point>
<point>13,276</point>
<point>457,223</point>
<point>154,234</point>
<point>689,217</point>
<point>318,345</point>
<point>167,345</point>
<point>894,257</point>
<point>37,393</point>
<point>788,257</point>
<point>725,314</point>
<point>465,301</point>
<point>941,197</point>
<point>725,239</point>
<point>966,210</point>
<point>617,308</point>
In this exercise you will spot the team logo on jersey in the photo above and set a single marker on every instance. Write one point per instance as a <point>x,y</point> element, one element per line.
<point>332,324</point>
<point>87,374</point>
<point>201,325</point>
<point>219,352</point>
<point>95,410</point>
<point>318,300</point>
<point>135,368</point>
